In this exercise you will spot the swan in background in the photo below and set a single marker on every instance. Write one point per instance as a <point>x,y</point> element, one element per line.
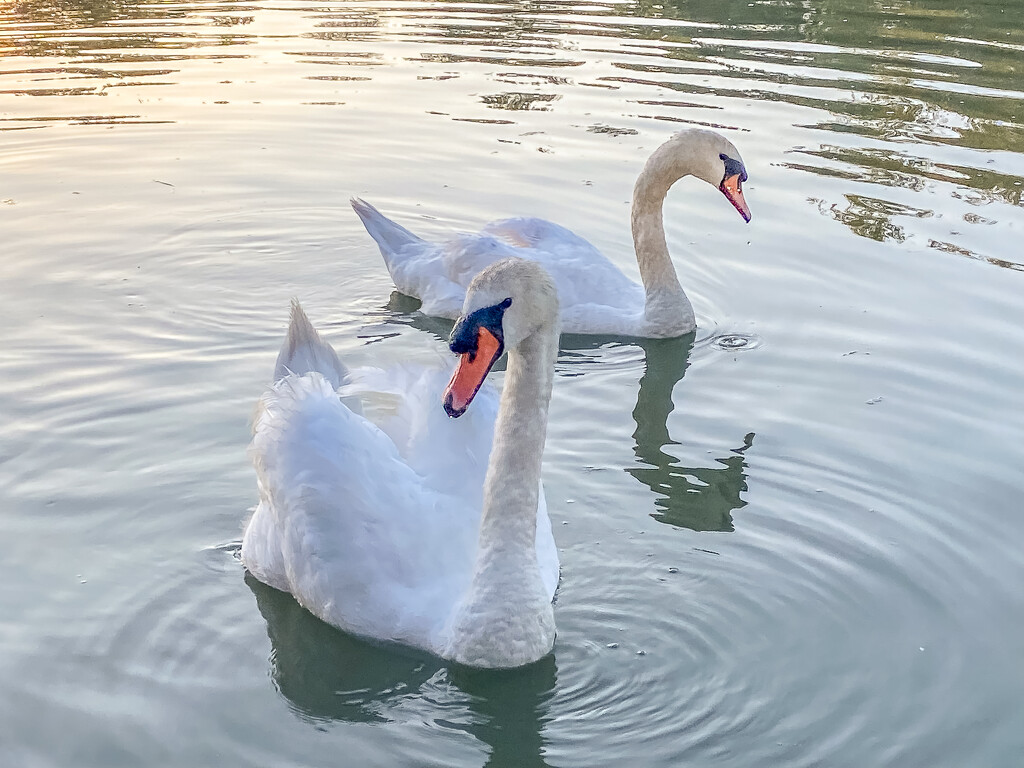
<point>594,295</point>
<point>405,531</point>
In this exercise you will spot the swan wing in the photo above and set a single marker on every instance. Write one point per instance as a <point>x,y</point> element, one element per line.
<point>304,351</point>
<point>541,234</point>
<point>583,274</point>
<point>345,525</point>
<point>378,543</point>
<point>438,274</point>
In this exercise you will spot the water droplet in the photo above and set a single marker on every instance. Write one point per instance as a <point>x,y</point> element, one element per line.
<point>673,569</point>
<point>641,653</point>
<point>612,645</point>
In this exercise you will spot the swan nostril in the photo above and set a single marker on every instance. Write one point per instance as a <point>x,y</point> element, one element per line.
<point>463,338</point>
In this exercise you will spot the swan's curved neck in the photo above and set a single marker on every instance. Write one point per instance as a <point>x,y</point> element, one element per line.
<point>508,525</point>
<point>505,619</point>
<point>667,306</point>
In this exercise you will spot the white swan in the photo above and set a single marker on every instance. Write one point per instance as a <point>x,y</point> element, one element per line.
<point>379,531</point>
<point>594,295</point>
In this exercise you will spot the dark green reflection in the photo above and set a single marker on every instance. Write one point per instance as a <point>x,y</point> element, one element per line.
<point>327,675</point>
<point>511,708</point>
<point>404,310</point>
<point>698,498</point>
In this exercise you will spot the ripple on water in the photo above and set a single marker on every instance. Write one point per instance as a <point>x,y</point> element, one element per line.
<point>169,626</point>
<point>752,632</point>
<point>860,610</point>
<point>733,342</point>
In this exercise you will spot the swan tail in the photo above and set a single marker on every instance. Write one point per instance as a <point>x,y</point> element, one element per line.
<point>392,238</point>
<point>305,352</point>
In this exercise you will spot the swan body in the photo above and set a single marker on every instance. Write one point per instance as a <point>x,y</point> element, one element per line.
<point>594,295</point>
<point>418,529</point>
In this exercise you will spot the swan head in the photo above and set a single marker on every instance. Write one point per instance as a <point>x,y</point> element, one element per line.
<point>709,156</point>
<point>506,303</point>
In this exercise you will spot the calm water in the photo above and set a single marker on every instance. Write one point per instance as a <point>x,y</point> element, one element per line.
<point>792,541</point>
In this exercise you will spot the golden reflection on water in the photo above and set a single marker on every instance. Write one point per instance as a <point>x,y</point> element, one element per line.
<point>886,82</point>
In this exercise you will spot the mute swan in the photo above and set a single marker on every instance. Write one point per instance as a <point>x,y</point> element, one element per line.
<point>594,295</point>
<point>399,533</point>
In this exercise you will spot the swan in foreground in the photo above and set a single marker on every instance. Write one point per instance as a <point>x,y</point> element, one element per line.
<point>594,295</point>
<point>401,532</point>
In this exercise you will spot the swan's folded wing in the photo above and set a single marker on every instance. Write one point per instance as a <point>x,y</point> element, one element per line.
<point>466,255</point>
<point>344,523</point>
<point>544,235</point>
<point>582,273</point>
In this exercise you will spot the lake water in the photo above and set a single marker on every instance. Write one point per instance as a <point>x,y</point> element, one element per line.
<point>795,540</point>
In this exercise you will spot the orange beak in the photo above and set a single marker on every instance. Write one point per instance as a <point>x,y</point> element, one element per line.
<point>470,373</point>
<point>732,189</point>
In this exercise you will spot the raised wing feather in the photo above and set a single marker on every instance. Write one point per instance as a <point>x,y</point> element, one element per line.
<point>357,536</point>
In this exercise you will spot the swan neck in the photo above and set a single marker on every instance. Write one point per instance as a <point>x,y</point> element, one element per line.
<point>505,619</point>
<point>666,302</point>
<point>511,488</point>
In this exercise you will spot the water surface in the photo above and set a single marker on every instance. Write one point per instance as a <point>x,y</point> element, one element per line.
<point>792,539</point>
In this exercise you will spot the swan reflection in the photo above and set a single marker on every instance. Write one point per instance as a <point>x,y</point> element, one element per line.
<point>698,498</point>
<point>327,675</point>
